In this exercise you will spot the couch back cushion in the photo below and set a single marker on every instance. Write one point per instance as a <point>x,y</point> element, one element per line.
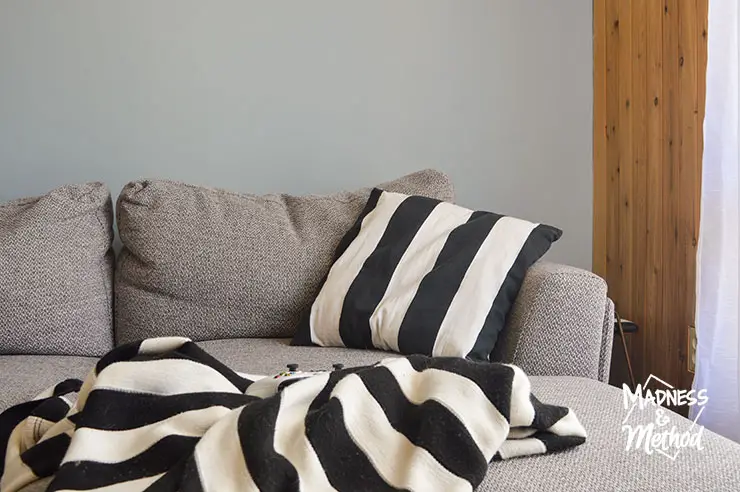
<point>211,264</point>
<point>56,272</point>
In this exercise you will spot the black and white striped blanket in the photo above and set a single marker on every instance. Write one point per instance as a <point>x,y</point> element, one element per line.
<point>163,415</point>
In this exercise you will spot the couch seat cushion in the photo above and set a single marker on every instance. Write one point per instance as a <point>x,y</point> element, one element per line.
<point>22,377</point>
<point>600,464</point>
<point>270,355</point>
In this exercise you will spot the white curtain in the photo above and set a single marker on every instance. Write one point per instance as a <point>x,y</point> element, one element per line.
<point>718,364</point>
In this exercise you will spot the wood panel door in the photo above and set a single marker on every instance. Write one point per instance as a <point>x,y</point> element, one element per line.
<point>649,85</point>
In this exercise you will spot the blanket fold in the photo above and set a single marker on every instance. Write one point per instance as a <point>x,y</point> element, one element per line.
<point>163,415</point>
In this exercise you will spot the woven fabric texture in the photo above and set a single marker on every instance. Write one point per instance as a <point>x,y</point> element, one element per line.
<point>209,264</point>
<point>22,377</point>
<point>601,463</point>
<point>56,271</point>
<point>607,340</point>
<point>270,355</point>
<point>557,324</point>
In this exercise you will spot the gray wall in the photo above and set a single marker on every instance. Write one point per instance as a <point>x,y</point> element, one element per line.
<point>306,96</point>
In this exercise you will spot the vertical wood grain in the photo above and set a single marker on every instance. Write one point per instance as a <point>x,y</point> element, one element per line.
<point>612,151</point>
<point>649,89</point>
<point>687,172</point>
<point>667,331</point>
<point>702,21</point>
<point>654,235</point>
<point>625,164</point>
<point>639,187</point>
<point>599,140</point>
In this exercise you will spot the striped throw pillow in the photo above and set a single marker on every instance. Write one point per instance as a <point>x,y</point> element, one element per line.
<point>417,275</point>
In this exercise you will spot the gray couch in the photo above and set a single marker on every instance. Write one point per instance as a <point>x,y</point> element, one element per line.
<point>235,271</point>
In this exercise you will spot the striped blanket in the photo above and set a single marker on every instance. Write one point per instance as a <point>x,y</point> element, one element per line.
<point>163,415</point>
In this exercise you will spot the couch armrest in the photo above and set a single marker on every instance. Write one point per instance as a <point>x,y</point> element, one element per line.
<point>607,341</point>
<point>561,324</point>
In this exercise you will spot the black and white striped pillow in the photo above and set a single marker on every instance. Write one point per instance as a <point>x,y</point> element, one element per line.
<point>417,275</point>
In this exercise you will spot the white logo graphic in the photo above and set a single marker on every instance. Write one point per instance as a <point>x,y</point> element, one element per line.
<point>661,436</point>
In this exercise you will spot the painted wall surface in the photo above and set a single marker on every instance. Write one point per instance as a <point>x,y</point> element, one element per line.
<point>306,97</point>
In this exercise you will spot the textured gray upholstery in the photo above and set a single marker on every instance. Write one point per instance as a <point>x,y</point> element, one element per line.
<point>601,464</point>
<point>24,376</point>
<point>270,355</point>
<point>607,340</point>
<point>207,263</point>
<point>557,325</point>
<point>56,270</point>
